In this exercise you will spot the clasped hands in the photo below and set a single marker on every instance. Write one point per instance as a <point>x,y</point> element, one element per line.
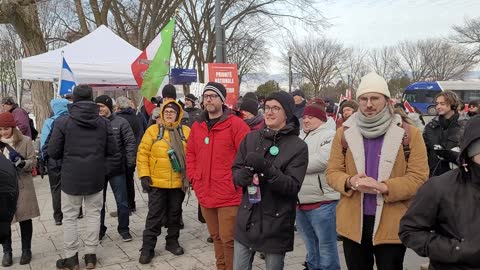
<point>366,184</point>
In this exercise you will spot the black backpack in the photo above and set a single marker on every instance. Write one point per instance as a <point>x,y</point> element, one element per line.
<point>32,128</point>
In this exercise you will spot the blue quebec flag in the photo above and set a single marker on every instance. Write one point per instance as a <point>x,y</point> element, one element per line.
<point>67,81</point>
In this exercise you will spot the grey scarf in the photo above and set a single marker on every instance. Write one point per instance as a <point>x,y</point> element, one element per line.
<point>376,126</point>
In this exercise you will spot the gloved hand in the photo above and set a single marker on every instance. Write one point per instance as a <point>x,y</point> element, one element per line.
<point>20,163</point>
<point>146,182</point>
<point>257,162</point>
<point>244,177</point>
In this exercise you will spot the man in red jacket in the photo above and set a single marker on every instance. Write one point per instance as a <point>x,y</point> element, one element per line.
<point>211,150</point>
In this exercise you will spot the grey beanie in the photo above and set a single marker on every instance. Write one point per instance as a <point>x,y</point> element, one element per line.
<point>474,148</point>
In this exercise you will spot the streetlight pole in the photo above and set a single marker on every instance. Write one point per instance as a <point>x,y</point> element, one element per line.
<point>219,35</point>
<point>290,55</point>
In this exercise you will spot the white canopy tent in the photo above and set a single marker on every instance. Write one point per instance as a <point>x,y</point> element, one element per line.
<point>100,58</point>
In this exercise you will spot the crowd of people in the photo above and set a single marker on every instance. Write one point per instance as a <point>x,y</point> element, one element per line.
<point>355,173</point>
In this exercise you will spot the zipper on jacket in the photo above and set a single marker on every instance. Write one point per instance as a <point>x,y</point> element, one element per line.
<point>320,184</point>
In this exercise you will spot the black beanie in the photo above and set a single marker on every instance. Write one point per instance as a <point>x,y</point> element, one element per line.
<point>286,100</point>
<point>250,106</point>
<point>217,88</point>
<point>298,93</point>
<point>191,97</point>
<point>105,100</point>
<point>169,91</point>
<point>82,92</point>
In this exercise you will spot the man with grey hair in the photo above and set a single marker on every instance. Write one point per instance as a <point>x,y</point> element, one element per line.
<point>125,111</point>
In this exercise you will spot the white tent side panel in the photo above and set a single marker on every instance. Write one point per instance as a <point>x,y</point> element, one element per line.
<point>101,57</point>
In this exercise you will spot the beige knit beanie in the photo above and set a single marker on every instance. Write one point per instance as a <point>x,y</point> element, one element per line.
<point>373,83</point>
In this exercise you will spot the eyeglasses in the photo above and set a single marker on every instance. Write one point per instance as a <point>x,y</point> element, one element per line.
<point>211,96</point>
<point>274,109</point>
<point>472,106</point>
<point>169,112</point>
<point>373,100</point>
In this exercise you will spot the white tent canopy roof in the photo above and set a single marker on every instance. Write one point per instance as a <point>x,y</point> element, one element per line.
<point>100,57</point>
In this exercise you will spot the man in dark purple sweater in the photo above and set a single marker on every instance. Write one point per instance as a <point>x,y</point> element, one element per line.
<point>376,172</point>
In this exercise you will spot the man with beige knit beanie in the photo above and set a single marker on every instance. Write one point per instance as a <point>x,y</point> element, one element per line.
<point>376,174</point>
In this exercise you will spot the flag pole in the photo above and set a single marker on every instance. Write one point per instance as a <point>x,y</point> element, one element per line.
<point>59,84</point>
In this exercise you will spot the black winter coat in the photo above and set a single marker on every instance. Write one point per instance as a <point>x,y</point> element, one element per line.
<point>127,146</point>
<point>8,196</point>
<point>443,220</point>
<point>83,139</point>
<point>446,134</point>
<point>268,226</point>
<point>193,114</point>
<point>131,116</point>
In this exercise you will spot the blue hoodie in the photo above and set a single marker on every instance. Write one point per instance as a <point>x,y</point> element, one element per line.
<point>59,108</point>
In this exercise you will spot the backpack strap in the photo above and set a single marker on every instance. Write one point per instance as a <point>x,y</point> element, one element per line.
<point>344,142</point>
<point>182,135</point>
<point>161,131</point>
<point>406,141</point>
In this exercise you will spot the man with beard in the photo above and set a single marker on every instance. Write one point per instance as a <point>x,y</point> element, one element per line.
<point>211,148</point>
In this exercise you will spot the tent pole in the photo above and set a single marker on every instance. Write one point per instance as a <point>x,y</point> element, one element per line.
<point>19,91</point>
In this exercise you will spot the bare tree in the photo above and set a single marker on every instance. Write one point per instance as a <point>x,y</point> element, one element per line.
<point>319,60</point>
<point>448,61</point>
<point>356,66</point>
<point>23,16</point>
<point>11,50</point>
<point>384,62</point>
<point>248,51</point>
<point>196,22</point>
<point>411,59</point>
<point>469,34</point>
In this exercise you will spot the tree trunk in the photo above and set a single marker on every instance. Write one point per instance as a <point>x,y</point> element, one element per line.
<point>27,25</point>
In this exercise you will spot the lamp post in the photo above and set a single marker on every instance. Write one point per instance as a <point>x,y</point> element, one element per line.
<point>219,34</point>
<point>290,55</point>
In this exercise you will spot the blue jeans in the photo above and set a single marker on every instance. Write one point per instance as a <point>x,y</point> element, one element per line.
<point>318,230</point>
<point>243,258</point>
<point>119,188</point>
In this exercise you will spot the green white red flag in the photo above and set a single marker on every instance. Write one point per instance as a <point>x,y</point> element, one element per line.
<point>151,69</point>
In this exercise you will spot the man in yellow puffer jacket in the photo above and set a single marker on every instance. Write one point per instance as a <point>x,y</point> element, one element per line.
<point>161,169</point>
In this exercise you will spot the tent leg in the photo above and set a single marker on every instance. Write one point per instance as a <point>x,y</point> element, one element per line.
<point>19,92</point>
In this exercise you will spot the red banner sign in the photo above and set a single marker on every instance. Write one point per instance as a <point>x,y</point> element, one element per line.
<point>226,74</point>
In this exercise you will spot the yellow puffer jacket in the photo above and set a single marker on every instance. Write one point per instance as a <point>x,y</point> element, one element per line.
<point>152,156</point>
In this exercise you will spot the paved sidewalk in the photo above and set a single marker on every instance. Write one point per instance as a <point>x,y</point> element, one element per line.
<point>113,254</point>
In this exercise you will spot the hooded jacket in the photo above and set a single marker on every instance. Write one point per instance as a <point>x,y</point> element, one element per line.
<point>83,139</point>
<point>315,187</point>
<point>22,120</point>
<point>443,220</point>
<point>59,108</point>
<point>134,121</point>
<point>403,178</point>
<point>210,155</point>
<point>152,157</point>
<point>268,226</point>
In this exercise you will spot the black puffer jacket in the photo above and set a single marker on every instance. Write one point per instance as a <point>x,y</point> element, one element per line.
<point>127,145</point>
<point>131,116</point>
<point>268,226</point>
<point>443,221</point>
<point>447,134</point>
<point>83,139</point>
<point>193,114</point>
<point>8,196</point>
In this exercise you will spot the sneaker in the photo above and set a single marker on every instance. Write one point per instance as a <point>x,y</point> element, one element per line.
<point>126,237</point>
<point>146,256</point>
<point>210,239</point>
<point>7,259</point>
<point>114,214</point>
<point>26,257</point>
<point>58,222</point>
<point>90,261</point>
<point>69,263</point>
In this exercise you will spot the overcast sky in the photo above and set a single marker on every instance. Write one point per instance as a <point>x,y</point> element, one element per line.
<point>377,23</point>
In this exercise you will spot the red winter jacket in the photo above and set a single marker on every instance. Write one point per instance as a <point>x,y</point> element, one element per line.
<point>209,161</point>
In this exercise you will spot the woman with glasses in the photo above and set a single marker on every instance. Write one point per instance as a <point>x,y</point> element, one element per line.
<point>161,169</point>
